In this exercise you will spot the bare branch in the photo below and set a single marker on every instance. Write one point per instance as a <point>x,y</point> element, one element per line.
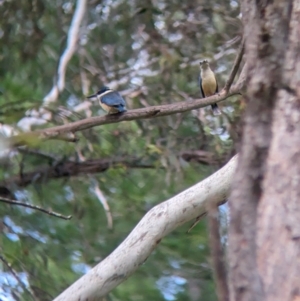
<point>63,169</point>
<point>241,83</point>
<point>235,67</point>
<point>105,205</point>
<point>27,205</point>
<point>217,255</point>
<point>73,35</point>
<point>59,168</point>
<point>145,237</point>
<point>143,113</point>
<point>59,85</point>
<point>202,156</point>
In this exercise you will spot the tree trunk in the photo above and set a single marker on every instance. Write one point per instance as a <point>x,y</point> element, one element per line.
<point>264,234</point>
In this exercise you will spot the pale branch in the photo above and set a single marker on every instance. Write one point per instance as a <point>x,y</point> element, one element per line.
<point>102,199</point>
<point>235,67</point>
<point>145,237</point>
<point>59,84</point>
<point>73,36</point>
<point>34,207</point>
<point>143,113</point>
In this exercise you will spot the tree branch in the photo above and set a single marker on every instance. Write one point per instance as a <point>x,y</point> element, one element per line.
<point>202,157</point>
<point>102,199</point>
<point>59,85</point>
<point>63,169</point>
<point>58,168</point>
<point>27,205</point>
<point>73,36</point>
<point>145,237</point>
<point>235,67</point>
<point>143,113</point>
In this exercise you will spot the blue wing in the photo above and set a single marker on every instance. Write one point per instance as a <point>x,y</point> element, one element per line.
<point>113,99</point>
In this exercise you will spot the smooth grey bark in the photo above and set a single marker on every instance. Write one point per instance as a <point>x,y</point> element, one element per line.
<point>145,237</point>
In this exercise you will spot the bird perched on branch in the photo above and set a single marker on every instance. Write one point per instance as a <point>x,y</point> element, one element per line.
<point>208,84</point>
<point>110,101</point>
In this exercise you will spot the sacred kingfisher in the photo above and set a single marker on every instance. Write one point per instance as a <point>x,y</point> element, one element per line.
<point>110,101</point>
<point>208,84</point>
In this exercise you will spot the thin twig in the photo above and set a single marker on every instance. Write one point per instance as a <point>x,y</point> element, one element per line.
<point>235,67</point>
<point>27,205</point>
<point>17,277</point>
<point>198,218</point>
<point>217,254</point>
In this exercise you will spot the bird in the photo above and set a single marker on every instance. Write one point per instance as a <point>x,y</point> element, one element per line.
<point>110,101</point>
<point>208,84</point>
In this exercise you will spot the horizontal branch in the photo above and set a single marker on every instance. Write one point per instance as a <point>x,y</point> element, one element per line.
<point>145,237</point>
<point>202,157</point>
<point>65,169</point>
<point>59,168</point>
<point>143,113</point>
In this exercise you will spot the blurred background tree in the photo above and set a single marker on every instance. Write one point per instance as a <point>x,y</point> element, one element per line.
<point>150,52</point>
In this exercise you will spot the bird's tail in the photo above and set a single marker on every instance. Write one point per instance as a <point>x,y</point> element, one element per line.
<point>215,109</point>
<point>122,109</point>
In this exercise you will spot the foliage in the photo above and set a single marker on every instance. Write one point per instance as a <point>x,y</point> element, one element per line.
<point>150,51</point>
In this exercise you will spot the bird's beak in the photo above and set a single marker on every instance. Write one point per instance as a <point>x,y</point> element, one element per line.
<point>92,96</point>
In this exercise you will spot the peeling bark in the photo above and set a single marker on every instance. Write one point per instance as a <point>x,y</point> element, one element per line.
<point>278,225</point>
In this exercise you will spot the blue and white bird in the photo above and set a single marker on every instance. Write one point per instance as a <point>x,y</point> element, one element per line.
<point>110,101</point>
<point>208,84</point>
